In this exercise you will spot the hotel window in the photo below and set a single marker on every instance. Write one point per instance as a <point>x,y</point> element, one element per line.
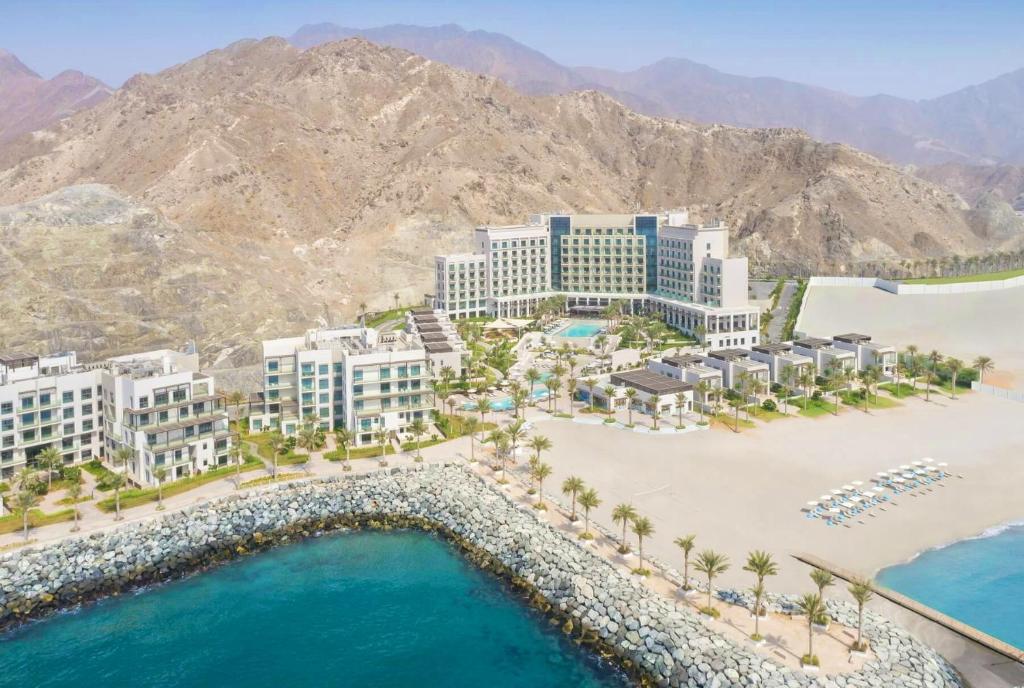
<point>69,413</point>
<point>6,408</point>
<point>28,418</point>
<point>324,368</point>
<point>273,366</point>
<point>307,368</point>
<point>28,436</point>
<point>357,374</point>
<point>86,393</point>
<point>86,409</point>
<point>7,424</point>
<point>27,402</point>
<point>68,397</point>
<point>385,373</point>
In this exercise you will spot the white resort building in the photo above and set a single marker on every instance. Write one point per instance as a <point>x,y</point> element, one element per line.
<point>155,403</point>
<point>780,357</point>
<point>825,354</point>
<point>651,262</point>
<point>353,377</point>
<point>882,356</point>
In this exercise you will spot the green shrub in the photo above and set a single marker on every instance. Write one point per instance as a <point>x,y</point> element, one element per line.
<point>768,405</point>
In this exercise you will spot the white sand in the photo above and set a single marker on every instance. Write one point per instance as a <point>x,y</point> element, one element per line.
<point>962,325</point>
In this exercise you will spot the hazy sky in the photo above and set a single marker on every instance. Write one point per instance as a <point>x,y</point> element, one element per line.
<point>910,48</point>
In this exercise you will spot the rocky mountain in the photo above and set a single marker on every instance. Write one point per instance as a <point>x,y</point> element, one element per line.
<point>301,183</point>
<point>29,102</point>
<point>982,123</point>
<point>973,182</point>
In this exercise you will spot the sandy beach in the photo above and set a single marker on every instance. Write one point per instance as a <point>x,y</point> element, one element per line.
<point>964,325</point>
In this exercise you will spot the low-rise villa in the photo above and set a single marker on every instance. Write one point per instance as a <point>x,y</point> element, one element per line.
<point>779,357</point>
<point>734,363</point>
<point>868,353</point>
<point>652,391</point>
<point>825,354</point>
<point>688,368</point>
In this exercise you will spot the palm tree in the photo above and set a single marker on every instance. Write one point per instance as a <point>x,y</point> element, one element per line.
<point>311,437</point>
<point>515,432</point>
<point>699,333</point>
<point>680,403</point>
<point>382,437</point>
<point>519,398</point>
<point>686,543</point>
<point>533,377</point>
<point>811,605</point>
<point>623,513</point>
<point>276,446</point>
<point>482,406</point>
<point>418,429</point>
<point>343,437</point>
<point>912,362</point>
<point>553,384</point>
<point>362,313</point>
<point>631,395</point>
<point>702,389</point>
<point>835,375</point>
<point>539,472</point>
<point>861,591</point>
<point>500,441</point>
<point>122,455</point>
<point>236,399</point>
<point>469,426</point>
<point>934,357</point>
<point>761,565</point>
<point>570,387</point>
<point>745,386</point>
<point>822,579</point>
<point>117,481</point>
<point>49,460</point>
<point>711,564</point>
<point>608,391</point>
<point>25,501</point>
<point>160,473</point>
<point>573,486</point>
<point>235,453</point>
<point>955,365</point>
<point>806,381</point>
<point>539,443</point>
<point>588,500</point>
<point>789,375</point>
<point>983,364</point>
<point>642,527</point>
<point>590,384</point>
<point>74,492</point>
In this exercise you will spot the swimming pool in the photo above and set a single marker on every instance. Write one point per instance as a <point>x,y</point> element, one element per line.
<point>505,403</point>
<point>580,330</point>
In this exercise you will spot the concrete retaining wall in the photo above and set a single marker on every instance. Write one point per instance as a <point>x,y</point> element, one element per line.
<point>915,289</point>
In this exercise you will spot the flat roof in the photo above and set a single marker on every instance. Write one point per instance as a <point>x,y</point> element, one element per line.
<point>15,359</point>
<point>772,348</point>
<point>434,337</point>
<point>421,309</point>
<point>649,382</point>
<point>813,342</point>
<point>683,360</point>
<point>438,347</point>
<point>852,338</point>
<point>729,354</point>
<point>429,327</point>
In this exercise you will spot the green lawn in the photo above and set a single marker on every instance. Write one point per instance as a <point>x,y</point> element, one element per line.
<point>983,277</point>
<point>371,452</point>
<point>266,480</point>
<point>411,446</point>
<point>36,518</point>
<point>264,449</point>
<point>138,497</point>
<point>817,408</point>
<point>378,319</point>
<point>905,389</point>
<point>102,474</point>
<point>730,420</point>
<point>769,416</point>
<point>857,401</point>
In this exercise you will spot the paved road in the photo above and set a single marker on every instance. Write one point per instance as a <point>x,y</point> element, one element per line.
<point>779,314</point>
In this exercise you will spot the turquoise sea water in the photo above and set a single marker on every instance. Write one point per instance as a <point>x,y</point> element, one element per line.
<point>978,581</point>
<point>580,330</point>
<point>359,609</point>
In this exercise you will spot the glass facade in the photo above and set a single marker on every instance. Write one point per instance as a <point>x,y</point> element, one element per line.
<point>559,226</point>
<point>647,227</point>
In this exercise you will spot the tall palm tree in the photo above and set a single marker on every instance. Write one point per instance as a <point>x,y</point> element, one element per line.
<point>631,395</point>
<point>482,406</point>
<point>235,454</point>
<point>711,564</point>
<point>822,579</point>
<point>24,501</point>
<point>572,486</point>
<point>983,364</point>
<point>539,443</point>
<point>49,460</point>
<point>642,527</point>
<point>934,358</point>
<point>812,605</point>
<point>954,365</point>
<point>861,591</point>
<point>418,429</point>
<point>744,388</point>
<point>702,389</point>
<point>911,358</point>
<point>788,375</point>
<point>276,446</point>
<point>680,400</point>
<point>591,383</point>
<point>553,384</point>
<point>515,431</point>
<point>500,441</point>
<point>540,471</point>
<point>588,500</point>
<point>806,381</point>
<point>382,437</point>
<point>343,438</point>
<point>623,513</point>
<point>519,399</point>
<point>469,426</point>
<point>570,387</point>
<point>762,566</point>
<point>655,412</point>
<point>160,473</point>
<point>686,543</point>
<point>236,399</point>
<point>532,376</point>
<point>608,391</point>
<point>74,492</point>
<point>122,455</point>
<point>117,482</point>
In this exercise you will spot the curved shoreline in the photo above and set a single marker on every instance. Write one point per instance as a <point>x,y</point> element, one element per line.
<point>990,532</point>
<point>646,633</point>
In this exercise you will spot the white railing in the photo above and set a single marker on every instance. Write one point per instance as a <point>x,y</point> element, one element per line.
<point>902,289</point>
<point>1000,392</point>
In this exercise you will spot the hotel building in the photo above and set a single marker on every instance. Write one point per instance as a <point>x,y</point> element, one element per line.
<point>155,403</point>
<point>650,262</point>
<point>352,377</point>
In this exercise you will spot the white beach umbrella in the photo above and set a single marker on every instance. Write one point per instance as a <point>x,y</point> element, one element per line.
<point>918,463</point>
<point>835,510</point>
<point>905,467</point>
<point>812,504</point>
<point>858,483</point>
<point>927,460</point>
<point>855,498</point>
<point>879,490</point>
<point>837,492</point>
<point>826,498</point>
<point>943,464</point>
<point>848,488</point>
<point>898,479</point>
<point>882,474</point>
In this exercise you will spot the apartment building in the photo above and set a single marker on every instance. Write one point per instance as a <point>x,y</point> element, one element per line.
<point>653,262</point>
<point>155,403</point>
<point>48,401</point>
<point>868,353</point>
<point>169,414</point>
<point>352,377</point>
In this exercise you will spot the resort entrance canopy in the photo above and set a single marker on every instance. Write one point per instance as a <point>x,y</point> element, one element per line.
<point>507,324</point>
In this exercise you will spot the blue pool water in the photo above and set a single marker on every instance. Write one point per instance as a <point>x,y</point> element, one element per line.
<point>361,609</point>
<point>978,581</point>
<point>505,403</point>
<point>580,330</point>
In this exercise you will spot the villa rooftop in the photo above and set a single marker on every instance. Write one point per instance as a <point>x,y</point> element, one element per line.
<point>813,343</point>
<point>434,336</point>
<point>778,348</point>
<point>650,383</point>
<point>438,347</point>
<point>852,338</point>
<point>729,354</point>
<point>683,361</point>
<point>17,359</point>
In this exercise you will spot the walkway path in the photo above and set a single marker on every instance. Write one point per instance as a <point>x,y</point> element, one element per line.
<point>779,314</point>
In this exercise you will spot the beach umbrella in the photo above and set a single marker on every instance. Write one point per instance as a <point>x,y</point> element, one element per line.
<point>882,474</point>
<point>812,504</point>
<point>855,498</point>
<point>826,498</point>
<point>898,479</point>
<point>837,492</point>
<point>927,460</point>
<point>943,464</point>
<point>835,510</point>
<point>858,483</point>
<point>917,463</point>
<point>905,467</point>
<point>879,490</point>
<point>848,488</point>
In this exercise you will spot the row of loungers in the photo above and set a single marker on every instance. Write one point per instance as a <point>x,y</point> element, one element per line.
<point>851,501</point>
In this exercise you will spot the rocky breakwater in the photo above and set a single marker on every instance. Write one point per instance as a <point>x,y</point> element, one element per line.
<point>594,602</point>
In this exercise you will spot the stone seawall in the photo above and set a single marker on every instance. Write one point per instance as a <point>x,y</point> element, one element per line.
<point>670,645</point>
